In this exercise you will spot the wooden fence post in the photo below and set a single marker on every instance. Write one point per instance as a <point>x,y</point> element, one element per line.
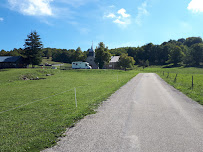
<point>75,98</point>
<point>168,75</point>
<point>175,77</point>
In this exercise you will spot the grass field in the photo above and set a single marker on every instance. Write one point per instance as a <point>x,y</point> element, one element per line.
<point>34,113</point>
<point>183,81</point>
<point>49,61</point>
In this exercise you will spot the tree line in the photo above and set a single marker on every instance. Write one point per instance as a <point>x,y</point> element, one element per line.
<point>187,51</point>
<point>58,55</point>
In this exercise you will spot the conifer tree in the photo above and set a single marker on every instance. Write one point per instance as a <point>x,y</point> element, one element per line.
<point>33,49</point>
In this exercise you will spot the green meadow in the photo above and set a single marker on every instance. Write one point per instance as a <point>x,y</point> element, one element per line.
<point>34,113</point>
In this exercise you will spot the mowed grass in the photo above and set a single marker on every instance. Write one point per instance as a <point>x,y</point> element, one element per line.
<point>34,113</point>
<point>183,81</point>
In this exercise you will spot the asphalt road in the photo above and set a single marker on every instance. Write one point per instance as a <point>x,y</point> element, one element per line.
<point>145,115</point>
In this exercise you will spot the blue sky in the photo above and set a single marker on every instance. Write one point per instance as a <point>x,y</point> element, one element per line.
<point>69,24</point>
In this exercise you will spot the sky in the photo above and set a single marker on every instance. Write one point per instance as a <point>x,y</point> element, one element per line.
<point>68,24</point>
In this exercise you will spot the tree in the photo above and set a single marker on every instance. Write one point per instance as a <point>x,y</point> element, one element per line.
<point>182,40</point>
<point>33,49</point>
<point>139,55</point>
<point>102,55</point>
<point>192,40</point>
<point>79,55</point>
<point>3,53</point>
<point>118,51</point>
<point>47,52</point>
<point>197,53</point>
<point>175,55</point>
<point>126,61</point>
<point>187,58</point>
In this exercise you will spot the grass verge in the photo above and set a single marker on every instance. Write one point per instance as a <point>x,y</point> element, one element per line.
<point>181,79</point>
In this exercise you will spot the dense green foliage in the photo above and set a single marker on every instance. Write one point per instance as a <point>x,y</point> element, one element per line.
<point>46,107</point>
<point>187,51</point>
<point>102,55</point>
<point>126,61</point>
<point>175,55</point>
<point>68,56</point>
<point>33,49</point>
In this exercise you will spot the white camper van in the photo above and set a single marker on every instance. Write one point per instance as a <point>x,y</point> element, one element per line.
<point>80,65</point>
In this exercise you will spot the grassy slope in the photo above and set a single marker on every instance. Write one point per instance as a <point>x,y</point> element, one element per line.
<point>38,125</point>
<point>49,61</point>
<point>183,81</point>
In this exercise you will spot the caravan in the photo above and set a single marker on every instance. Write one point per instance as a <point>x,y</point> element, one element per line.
<point>81,65</point>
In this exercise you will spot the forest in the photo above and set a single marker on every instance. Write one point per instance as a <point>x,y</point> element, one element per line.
<point>188,52</point>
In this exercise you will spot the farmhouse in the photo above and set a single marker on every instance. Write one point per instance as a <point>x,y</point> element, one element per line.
<point>11,62</point>
<point>113,63</point>
<point>91,57</point>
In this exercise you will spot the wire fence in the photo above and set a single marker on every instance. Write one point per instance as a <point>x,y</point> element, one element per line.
<point>175,75</point>
<point>73,89</point>
<point>44,99</point>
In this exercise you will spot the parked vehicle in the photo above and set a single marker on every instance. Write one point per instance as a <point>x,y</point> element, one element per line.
<point>81,65</point>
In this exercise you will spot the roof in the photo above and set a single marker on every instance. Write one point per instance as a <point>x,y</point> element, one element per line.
<point>92,48</point>
<point>9,58</point>
<point>114,58</point>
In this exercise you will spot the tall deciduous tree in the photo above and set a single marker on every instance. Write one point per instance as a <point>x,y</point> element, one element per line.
<point>102,55</point>
<point>197,53</point>
<point>126,61</point>
<point>175,55</point>
<point>33,49</point>
<point>79,55</point>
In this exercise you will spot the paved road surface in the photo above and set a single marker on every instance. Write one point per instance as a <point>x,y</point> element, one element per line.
<point>145,115</point>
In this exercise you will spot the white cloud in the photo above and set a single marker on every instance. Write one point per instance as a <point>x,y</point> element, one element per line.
<point>122,22</point>
<point>122,11</point>
<point>196,6</point>
<point>1,19</point>
<point>119,21</point>
<point>142,11</point>
<point>32,7</point>
<point>110,15</point>
<point>121,17</point>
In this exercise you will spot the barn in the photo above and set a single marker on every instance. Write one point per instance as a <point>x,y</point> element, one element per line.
<point>11,62</point>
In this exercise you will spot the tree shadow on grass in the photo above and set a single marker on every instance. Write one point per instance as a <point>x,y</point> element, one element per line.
<point>172,66</point>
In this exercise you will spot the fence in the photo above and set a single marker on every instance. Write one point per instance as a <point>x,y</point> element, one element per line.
<point>170,76</point>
